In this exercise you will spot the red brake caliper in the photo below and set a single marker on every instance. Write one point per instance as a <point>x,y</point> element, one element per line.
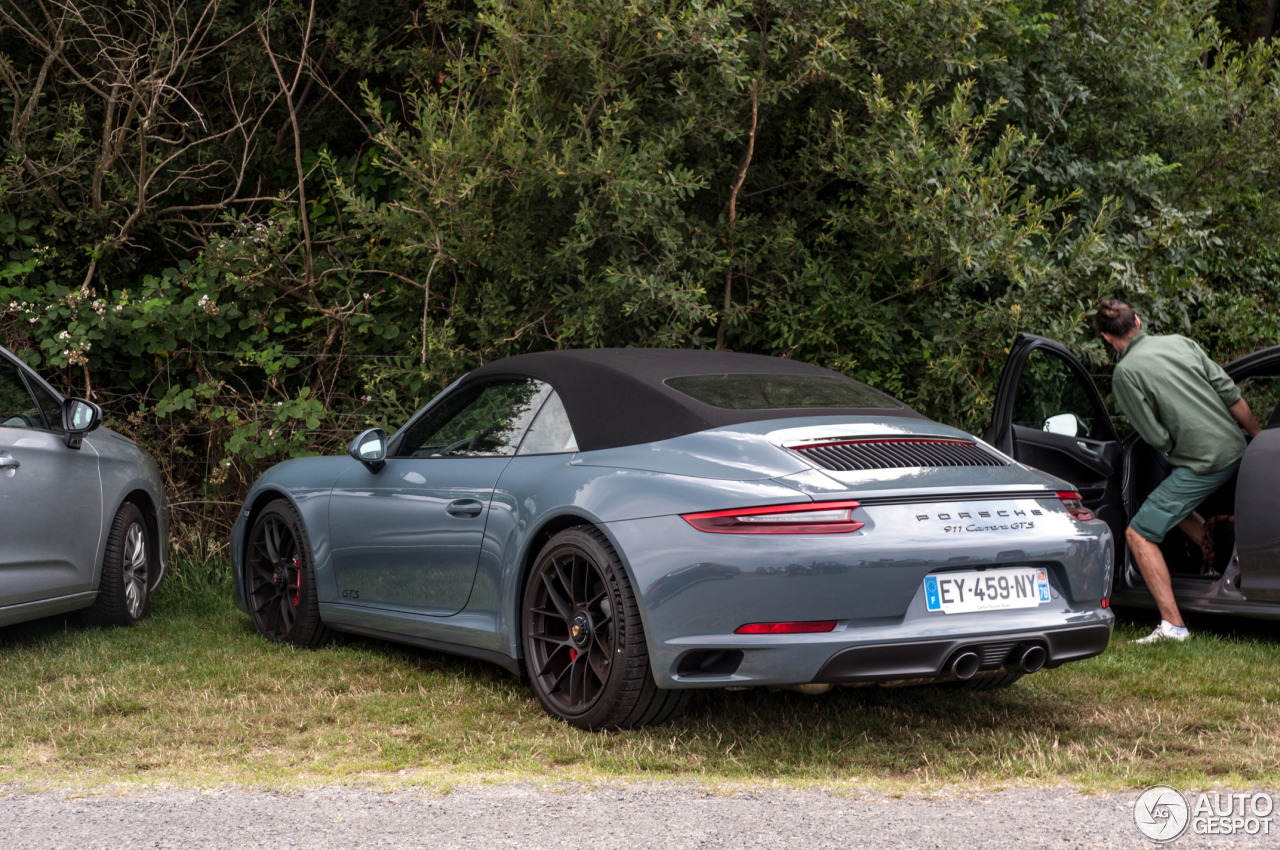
<point>297,593</point>
<point>573,654</point>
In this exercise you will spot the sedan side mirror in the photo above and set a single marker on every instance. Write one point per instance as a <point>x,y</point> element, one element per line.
<point>79,417</point>
<point>370,448</point>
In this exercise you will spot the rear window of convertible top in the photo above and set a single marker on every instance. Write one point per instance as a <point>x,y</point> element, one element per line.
<point>778,392</point>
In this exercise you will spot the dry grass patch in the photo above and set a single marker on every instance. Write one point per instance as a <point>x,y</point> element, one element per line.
<point>193,697</point>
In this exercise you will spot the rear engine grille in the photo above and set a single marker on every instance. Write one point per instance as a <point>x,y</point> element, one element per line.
<point>852,455</point>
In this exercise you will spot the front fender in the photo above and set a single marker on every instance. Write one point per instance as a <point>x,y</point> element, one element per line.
<point>306,483</point>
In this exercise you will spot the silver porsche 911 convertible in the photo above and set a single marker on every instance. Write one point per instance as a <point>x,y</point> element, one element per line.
<point>83,520</point>
<point>622,526</point>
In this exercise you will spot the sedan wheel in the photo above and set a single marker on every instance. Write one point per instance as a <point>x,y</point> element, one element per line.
<point>583,640</point>
<point>279,579</point>
<point>135,570</point>
<point>124,584</point>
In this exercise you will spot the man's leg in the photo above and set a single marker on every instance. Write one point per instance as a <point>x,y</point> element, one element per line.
<point>1155,573</point>
<point>1193,527</point>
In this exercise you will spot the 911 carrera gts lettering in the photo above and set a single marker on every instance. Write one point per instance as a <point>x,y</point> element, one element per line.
<point>1013,526</point>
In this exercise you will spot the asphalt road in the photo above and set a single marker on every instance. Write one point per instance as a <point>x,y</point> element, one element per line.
<point>630,817</point>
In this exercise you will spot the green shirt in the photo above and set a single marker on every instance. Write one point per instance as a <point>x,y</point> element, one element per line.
<point>1177,400</point>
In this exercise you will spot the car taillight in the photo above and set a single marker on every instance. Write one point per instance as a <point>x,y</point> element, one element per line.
<point>805,628</point>
<point>1075,506</point>
<point>812,518</point>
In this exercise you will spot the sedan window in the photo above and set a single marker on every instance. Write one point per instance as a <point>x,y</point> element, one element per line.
<point>50,405</point>
<point>478,420</point>
<point>17,408</point>
<point>1051,397</point>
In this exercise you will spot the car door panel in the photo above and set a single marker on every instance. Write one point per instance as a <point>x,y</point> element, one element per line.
<point>50,503</point>
<point>1092,461</point>
<point>1089,464</point>
<point>409,537</point>
<point>1257,499</point>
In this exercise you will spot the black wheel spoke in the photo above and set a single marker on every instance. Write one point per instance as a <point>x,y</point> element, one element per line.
<point>270,542</point>
<point>596,661</point>
<point>562,606</point>
<point>548,612</point>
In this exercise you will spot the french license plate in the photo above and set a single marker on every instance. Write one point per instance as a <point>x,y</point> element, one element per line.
<point>988,590</point>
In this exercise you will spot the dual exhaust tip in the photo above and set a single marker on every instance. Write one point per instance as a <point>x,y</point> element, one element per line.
<point>1027,658</point>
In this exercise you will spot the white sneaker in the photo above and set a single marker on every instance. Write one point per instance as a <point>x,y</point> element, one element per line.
<point>1165,631</point>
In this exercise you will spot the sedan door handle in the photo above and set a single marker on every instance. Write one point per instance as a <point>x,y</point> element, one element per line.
<point>9,463</point>
<point>1085,448</point>
<point>465,508</point>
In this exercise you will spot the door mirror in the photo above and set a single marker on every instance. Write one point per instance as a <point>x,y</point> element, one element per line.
<point>370,448</point>
<point>79,417</point>
<point>1066,424</point>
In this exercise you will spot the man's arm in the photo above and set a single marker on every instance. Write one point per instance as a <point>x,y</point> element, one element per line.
<point>1221,382</point>
<point>1133,403</point>
<point>1240,410</point>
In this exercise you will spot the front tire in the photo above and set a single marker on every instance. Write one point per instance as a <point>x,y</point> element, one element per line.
<point>124,589</point>
<point>584,643</point>
<point>279,579</point>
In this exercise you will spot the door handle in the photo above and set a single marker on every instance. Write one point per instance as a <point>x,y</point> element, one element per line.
<point>7,462</point>
<point>465,508</point>
<point>1085,448</point>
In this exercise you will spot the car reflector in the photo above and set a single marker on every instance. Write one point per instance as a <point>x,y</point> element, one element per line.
<point>804,628</point>
<point>811,518</point>
<point>1075,506</point>
<point>1106,603</point>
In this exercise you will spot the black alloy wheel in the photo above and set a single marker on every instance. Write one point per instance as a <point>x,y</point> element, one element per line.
<point>279,579</point>
<point>583,639</point>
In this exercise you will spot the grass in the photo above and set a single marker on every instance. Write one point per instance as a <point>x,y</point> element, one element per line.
<point>193,697</point>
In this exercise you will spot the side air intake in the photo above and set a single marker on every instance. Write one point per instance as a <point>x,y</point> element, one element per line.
<point>897,453</point>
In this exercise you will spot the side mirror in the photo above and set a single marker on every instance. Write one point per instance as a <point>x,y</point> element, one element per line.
<point>79,417</point>
<point>370,448</point>
<point>1065,424</point>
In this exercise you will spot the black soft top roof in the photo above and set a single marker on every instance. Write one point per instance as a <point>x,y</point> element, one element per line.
<point>616,396</point>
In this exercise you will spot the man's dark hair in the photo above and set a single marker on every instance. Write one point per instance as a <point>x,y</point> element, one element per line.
<point>1116,318</point>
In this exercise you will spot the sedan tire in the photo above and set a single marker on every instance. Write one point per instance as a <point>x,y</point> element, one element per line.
<point>279,579</point>
<point>124,590</point>
<point>584,642</point>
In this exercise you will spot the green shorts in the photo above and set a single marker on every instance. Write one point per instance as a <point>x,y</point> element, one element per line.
<point>1175,499</point>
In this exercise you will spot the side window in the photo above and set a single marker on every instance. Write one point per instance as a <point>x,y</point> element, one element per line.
<point>17,408</point>
<point>1051,397</point>
<point>478,420</point>
<point>50,405</point>
<point>550,432</point>
<point>1263,394</point>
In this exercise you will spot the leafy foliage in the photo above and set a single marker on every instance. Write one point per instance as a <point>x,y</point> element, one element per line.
<point>252,231</point>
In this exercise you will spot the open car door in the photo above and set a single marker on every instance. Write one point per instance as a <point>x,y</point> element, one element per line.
<point>1049,415</point>
<point>1257,496</point>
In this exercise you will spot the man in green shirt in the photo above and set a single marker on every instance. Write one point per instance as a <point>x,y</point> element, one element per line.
<point>1183,404</point>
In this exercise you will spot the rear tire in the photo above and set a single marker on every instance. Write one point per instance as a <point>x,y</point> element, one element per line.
<point>124,589</point>
<point>598,677</point>
<point>279,579</point>
<point>990,683</point>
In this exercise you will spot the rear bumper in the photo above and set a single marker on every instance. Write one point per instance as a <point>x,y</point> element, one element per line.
<point>889,662</point>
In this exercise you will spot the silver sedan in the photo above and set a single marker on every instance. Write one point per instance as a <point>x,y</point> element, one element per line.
<point>83,519</point>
